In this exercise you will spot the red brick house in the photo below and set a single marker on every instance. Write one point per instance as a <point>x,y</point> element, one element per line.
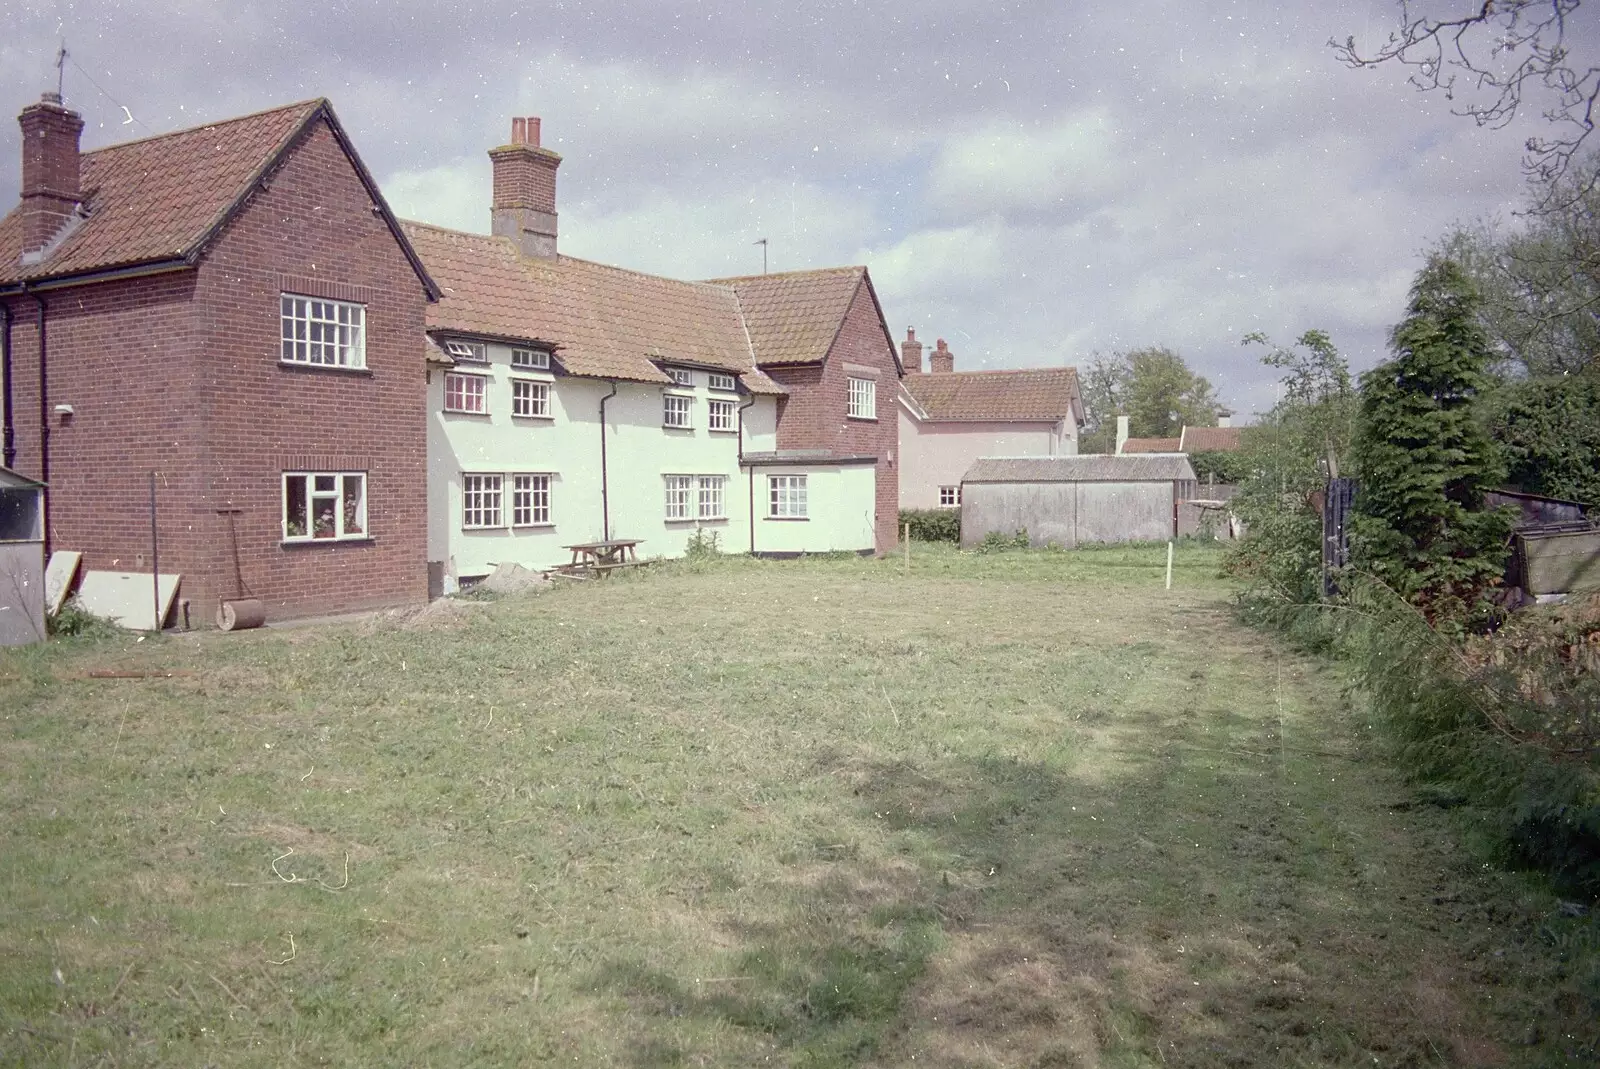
<point>235,309</point>
<point>822,336</point>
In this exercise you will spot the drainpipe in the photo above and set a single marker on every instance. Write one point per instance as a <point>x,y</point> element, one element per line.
<point>44,419</point>
<point>751,472</point>
<point>9,456</point>
<point>605,496</point>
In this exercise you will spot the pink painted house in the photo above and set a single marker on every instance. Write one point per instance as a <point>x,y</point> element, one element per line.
<point>950,418</point>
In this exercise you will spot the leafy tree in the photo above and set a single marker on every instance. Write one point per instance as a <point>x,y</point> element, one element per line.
<point>1104,381</point>
<point>1548,434</point>
<point>1284,467</point>
<point>1153,387</point>
<point>1540,282</point>
<point>1424,459</point>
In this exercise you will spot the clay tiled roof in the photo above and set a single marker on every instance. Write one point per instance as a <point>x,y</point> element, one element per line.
<point>164,198</point>
<point>1152,445</point>
<point>1036,394</point>
<point>1209,440</point>
<point>602,321</point>
<point>794,317</point>
<point>1082,469</point>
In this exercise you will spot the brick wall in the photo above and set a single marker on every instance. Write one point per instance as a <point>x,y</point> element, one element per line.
<point>814,414</point>
<point>180,374</point>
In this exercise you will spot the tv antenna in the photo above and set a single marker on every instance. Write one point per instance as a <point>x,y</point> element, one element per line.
<point>61,67</point>
<point>763,243</point>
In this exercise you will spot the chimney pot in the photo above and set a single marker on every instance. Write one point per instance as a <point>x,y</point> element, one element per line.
<point>911,353</point>
<point>941,361</point>
<point>524,204</point>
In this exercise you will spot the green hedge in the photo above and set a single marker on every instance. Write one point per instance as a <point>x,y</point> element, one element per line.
<point>932,525</point>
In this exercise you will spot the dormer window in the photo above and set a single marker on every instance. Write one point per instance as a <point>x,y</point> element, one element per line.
<point>680,376</point>
<point>472,352</point>
<point>721,382</point>
<point>530,359</point>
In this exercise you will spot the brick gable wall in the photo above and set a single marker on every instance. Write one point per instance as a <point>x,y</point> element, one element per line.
<point>180,374</point>
<point>814,415</point>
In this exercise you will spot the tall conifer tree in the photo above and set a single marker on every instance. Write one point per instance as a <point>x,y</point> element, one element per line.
<point>1424,461</point>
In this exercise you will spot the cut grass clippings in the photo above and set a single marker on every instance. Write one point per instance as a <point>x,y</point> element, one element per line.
<point>1019,808</point>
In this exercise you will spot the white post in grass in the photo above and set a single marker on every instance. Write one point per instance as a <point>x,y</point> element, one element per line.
<point>908,549</point>
<point>1169,565</point>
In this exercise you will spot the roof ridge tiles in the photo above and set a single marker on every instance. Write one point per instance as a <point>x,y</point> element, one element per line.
<point>197,127</point>
<point>838,270</point>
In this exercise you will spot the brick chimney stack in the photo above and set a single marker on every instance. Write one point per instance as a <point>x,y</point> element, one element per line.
<point>911,353</point>
<point>50,184</point>
<point>941,361</point>
<point>525,190</point>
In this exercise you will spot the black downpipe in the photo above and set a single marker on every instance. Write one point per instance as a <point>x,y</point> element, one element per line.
<point>605,492</point>
<point>44,421</point>
<point>9,456</point>
<point>751,476</point>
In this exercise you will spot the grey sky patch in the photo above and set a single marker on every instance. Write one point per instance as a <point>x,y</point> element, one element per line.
<point>1030,181</point>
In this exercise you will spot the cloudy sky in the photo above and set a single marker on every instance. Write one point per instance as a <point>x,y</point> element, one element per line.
<point>1032,181</point>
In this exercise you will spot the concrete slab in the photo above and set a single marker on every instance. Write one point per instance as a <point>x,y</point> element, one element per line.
<point>58,577</point>
<point>126,598</point>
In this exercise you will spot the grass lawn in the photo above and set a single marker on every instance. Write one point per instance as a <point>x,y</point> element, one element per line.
<point>1018,809</point>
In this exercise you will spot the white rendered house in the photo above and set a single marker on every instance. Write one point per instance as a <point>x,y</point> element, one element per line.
<point>574,402</point>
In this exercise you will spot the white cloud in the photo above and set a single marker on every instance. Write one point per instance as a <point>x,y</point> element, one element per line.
<point>1006,164</point>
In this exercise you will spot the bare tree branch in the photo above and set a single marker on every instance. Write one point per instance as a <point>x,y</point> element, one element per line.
<point>1499,57</point>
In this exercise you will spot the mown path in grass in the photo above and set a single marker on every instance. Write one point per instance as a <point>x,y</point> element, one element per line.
<point>1022,809</point>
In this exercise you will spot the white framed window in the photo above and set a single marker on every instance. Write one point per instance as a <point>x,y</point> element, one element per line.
<point>863,399</point>
<point>530,398</point>
<point>532,359</point>
<point>787,494</point>
<point>720,415</point>
<point>712,500</point>
<point>323,333</point>
<point>680,376</point>
<point>322,505</point>
<point>474,352</point>
<point>466,393</point>
<point>675,410</point>
<point>679,489</point>
<point>480,500</point>
<point>949,496</point>
<point>530,500</point>
<point>721,382</point>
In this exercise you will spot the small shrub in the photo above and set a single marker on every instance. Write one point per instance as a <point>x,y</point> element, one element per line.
<point>932,525</point>
<point>996,542</point>
<point>703,545</point>
<point>74,621</point>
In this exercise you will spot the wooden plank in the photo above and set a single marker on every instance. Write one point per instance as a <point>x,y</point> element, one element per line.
<point>1560,563</point>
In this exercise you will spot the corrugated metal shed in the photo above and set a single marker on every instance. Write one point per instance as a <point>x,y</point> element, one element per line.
<point>1084,469</point>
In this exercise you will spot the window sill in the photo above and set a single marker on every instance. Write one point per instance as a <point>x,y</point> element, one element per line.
<point>328,369</point>
<point>689,521</point>
<point>788,519</point>
<point>862,419</point>
<point>519,527</point>
<point>309,543</point>
<point>724,430</point>
<point>547,418</point>
<point>461,412</point>
<point>670,427</point>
